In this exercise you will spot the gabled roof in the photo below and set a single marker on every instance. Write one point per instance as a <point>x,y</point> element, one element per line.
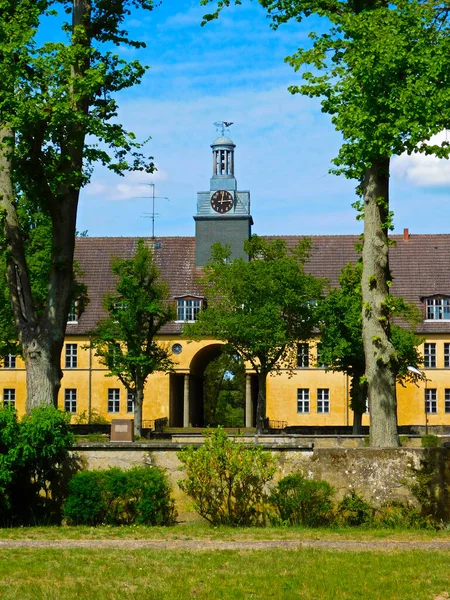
<point>420,266</point>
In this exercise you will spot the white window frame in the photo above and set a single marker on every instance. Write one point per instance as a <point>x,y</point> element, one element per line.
<point>113,400</point>
<point>431,401</point>
<point>9,397</point>
<point>323,400</point>
<point>9,361</point>
<point>303,402</point>
<point>429,355</point>
<point>130,401</point>
<point>71,361</point>
<point>70,400</point>
<point>447,401</point>
<point>446,355</point>
<point>303,358</point>
<point>72,317</point>
<point>437,309</point>
<point>188,309</point>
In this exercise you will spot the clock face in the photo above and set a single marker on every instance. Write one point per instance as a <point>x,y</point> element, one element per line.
<point>222,201</point>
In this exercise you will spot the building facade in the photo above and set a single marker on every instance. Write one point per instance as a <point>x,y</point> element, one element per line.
<point>312,396</point>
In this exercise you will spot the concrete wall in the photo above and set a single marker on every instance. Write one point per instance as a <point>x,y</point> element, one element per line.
<point>379,474</point>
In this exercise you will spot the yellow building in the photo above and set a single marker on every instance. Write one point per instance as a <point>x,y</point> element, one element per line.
<point>312,396</point>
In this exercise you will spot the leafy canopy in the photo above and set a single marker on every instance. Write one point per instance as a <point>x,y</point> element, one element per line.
<point>381,69</point>
<point>125,339</point>
<point>341,345</point>
<point>259,307</point>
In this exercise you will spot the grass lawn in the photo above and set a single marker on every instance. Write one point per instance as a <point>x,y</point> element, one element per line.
<point>87,574</point>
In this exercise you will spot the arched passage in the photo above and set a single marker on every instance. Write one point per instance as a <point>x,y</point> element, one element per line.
<point>187,391</point>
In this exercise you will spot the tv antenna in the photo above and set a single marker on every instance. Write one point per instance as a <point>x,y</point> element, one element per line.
<point>223,126</point>
<point>153,214</point>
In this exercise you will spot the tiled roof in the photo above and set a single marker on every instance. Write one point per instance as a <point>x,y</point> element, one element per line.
<point>420,267</point>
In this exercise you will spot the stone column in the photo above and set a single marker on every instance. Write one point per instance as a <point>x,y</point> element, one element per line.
<point>186,403</point>
<point>248,402</point>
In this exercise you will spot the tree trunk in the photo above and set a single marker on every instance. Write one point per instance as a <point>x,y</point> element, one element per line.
<point>378,348</point>
<point>43,373</point>
<point>261,402</point>
<point>358,398</point>
<point>138,402</point>
<point>357,423</point>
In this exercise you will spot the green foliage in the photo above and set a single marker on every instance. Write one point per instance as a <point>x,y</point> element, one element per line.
<point>93,418</point>
<point>301,501</point>
<point>430,441</point>
<point>354,511</point>
<point>340,315</point>
<point>401,515</point>
<point>137,310</point>
<point>59,118</point>
<point>224,391</point>
<point>260,307</point>
<point>227,480</point>
<point>32,453</point>
<point>424,487</point>
<point>140,495</point>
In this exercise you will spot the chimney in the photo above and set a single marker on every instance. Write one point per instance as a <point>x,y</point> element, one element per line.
<point>406,235</point>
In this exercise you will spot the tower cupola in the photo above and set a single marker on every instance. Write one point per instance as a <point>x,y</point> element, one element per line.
<point>223,164</point>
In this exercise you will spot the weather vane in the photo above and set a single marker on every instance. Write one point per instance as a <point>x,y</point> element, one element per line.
<point>223,126</point>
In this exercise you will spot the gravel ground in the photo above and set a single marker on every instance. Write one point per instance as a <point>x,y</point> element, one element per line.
<point>208,545</point>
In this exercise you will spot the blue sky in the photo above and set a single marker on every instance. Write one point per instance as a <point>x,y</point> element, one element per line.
<point>233,70</point>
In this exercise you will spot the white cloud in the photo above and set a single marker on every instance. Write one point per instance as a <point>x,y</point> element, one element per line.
<point>133,185</point>
<point>423,171</point>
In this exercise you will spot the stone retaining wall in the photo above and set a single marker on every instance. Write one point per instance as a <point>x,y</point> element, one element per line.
<point>380,475</point>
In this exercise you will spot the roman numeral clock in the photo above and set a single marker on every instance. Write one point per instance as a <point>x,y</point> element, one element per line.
<point>223,212</point>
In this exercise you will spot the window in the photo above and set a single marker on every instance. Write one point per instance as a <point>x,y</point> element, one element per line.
<point>10,361</point>
<point>71,356</point>
<point>130,402</point>
<point>431,401</point>
<point>447,401</point>
<point>323,400</point>
<point>320,364</point>
<point>303,400</point>
<point>72,317</point>
<point>70,400</point>
<point>438,309</point>
<point>429,355</point>
<point>113,400</point>
<point>187,310</point>
<point>447,356</point>
<point>9,397</point>
<point>302,356</point>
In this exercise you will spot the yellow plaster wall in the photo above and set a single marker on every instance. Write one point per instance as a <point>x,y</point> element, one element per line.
<point>92,383</point>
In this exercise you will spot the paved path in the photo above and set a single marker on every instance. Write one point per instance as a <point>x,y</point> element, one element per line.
<point>210,545</point>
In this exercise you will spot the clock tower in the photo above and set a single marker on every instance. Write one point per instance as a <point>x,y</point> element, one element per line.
<point>223,213</point>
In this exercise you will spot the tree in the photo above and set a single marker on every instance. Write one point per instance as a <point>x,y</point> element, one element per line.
<point>261,308</point>
<point>224,391</point>
<point>57,120</point>
<point>137,310</point>
<point>341,343</point>
<point>382,70</point>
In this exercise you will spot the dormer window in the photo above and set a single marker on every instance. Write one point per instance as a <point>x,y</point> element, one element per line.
<point>188,308</point>
<point>437,309</point>
<point>72,317</point>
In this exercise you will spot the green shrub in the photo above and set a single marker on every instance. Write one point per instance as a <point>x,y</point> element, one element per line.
<point>430,441</point>
<point>32,454</point>
<point>401,515</point>
<point>140,495</point>
<point>85,502</point>
<point>301,501</point>
<point>227,480</point>
<point>354,511</point>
